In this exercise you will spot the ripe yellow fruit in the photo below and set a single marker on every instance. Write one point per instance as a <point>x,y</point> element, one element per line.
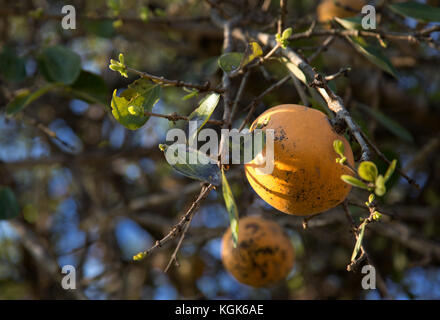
<point>328,9</point>
<point>306,178</point>
<point>264,254</point>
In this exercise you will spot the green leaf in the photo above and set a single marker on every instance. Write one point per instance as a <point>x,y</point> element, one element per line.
<point>338,145</point>
<point>25,98</point>
<point>231,207</point>
<point>295,71</point>
<point>60,64</point>
<point>231,61</point>
<point>350,23</point>
<point>128,109</point>
<point>358,242</point>
<point>373,54</point>
<point>367,170</point>
<point>12,68</point>
<point>101,28</point>
<point>390,124</point>
<point>191,94</point>
<point>201,168</point>
<point>253,50</point>
<point>417,11</point>
<point>9,207</point>
<point>202,114</point>
<point>353,181</point>
<point>390,170</point>
<point>380,186</point>
<point>91,88</point>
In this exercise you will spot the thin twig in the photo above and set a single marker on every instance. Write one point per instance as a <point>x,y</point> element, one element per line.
<point>206,87</point>
<point>239,93</point>
<point>253,104</point>
<point>179,244</point>
<point>282,16</point>
<point>178,227</point>
<point>175,117</point>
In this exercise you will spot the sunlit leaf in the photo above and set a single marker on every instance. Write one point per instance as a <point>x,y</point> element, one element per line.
<point>231,207</point>
<point>295,71</point>
<point>338,146</point>
<point>60,64</point>
<point>353,181</point>
<point>192,163</point>
<point>358,242</point>
<point>128,109</point>
<point>367,170</point>
<point>9,207</point>
<point>351,23</point>
<point>390,170</point>
<point>380,188</point>
<point>253,50</point>
<point>202,114</point>
<point>417,10</point>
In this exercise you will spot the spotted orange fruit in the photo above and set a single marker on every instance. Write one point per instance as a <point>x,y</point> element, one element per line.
<point>328,9</point>
<point>264,254</point>
<point>306,178</point>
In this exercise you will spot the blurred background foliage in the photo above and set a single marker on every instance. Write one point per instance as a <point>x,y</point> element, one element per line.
<point>92,194</point>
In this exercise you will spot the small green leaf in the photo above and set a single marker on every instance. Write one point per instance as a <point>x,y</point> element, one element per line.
<point>202,114</point>
<point>119,66</point>
<point>12,68</point>
<point>140,94</point>
<point>390,124</point>
<point>376,216</point>
<point>338,146</point>
<point>353,181</point>
<point>358,242</point>
<point>59,64</point>
<point>373,54</point>
<point>367,170</point>
<point>380,186</point>
<point>283,39</point>
<point>350,23</point>
<point>231,207</point>
<point>253,50</point>
<point>390,170</point>
<point>91,88</point>
<point>145,14</point>
<point>191,94</point>
<point>416,10</point>
<point>9,207</point>
<point>286,34</point>
<point>371,198</point>
<point>192,163</point>
<point>25,98</point>
<point>231,61</point>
